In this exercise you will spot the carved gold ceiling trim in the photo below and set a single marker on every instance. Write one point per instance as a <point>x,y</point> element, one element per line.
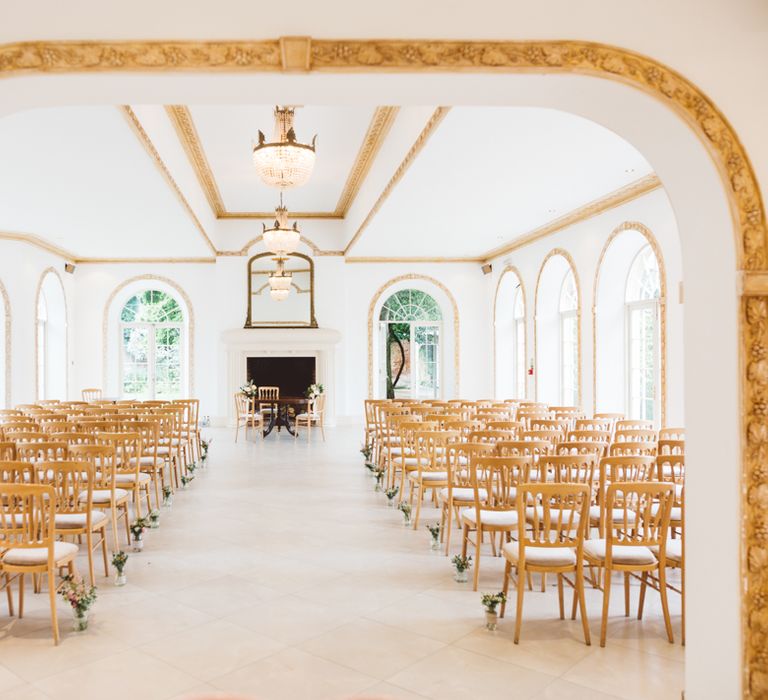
<point>381,123</point>
<point>143,137</point>
<point>421,140</point>
<point>416,259</point>
<point>37,242</point>
<point>625,194</point>
<point>553,57</point>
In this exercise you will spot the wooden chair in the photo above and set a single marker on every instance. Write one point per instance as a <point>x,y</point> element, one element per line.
<point>190,426</point>
<point>106,495</point>
<point>265,396</point>
<point>75,515</point>
<point>27,529</point>
<point>628,449</point>
<point>633,425</point>
<point>552,436</point>
<point>91,395</point>
<point>496,478</point>
<point>150,462</point>
<point>630,542</point>
<point>128,474</point>
<point>36,452</point>
<point>404,459</point>
<point>431,449</point>
<point>491,436</point>
<point>7,451</point>
<point>315,416</point>
<point>581,447</point>
<point>636,468</point>
<point>245,415</point>
<point>171,443</point>
<point>672,434</point>
<point>460,492</point>
<point>550,539</point>
<point>18,472</point>
<point>635,435</point>
<point>603,424</point>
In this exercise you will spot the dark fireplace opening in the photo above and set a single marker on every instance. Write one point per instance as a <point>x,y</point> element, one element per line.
<point>292,374</point>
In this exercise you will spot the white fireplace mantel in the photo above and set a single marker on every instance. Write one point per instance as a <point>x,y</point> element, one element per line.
<point>320,343</point>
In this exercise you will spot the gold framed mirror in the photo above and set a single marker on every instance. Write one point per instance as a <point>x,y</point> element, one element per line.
<point>297,310</point>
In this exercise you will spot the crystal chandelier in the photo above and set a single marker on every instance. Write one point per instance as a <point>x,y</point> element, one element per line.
<point>280,239</point>
<point>280,282</point>
<point>284,162</point>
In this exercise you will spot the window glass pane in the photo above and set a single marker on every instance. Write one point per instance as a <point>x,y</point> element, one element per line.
<point>643,361</point>
<point>520,370</point>
<point>569,300</point>
<point>167,363</point>
<point>569,357</point>
<point>427,339</point>
<point>135,363</point>
<point>410,305</point>
<point>644,282</point>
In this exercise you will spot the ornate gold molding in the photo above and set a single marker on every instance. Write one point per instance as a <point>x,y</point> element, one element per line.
<point>582,57</point>
<point>306,241</point>
<point>190,325</point>
<point>625,194</point>
<point>456,326</point>
<point>143,137</point>
<point>421,141</point>
<point>510,269</point>
<point>7,346</point>
<point>37,242</point>
<point>381,123</point>
<point>150,261</point>
<point>425,259</point>
<point>656,248</point>
<point>43,275</point>
<point>565,254</point>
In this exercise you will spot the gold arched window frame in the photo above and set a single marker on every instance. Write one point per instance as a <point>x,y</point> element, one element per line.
<point>311,323</point>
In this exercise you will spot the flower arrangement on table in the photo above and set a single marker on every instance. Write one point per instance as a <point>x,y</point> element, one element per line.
<point>118,561</point>
<point>250,390</point>
<point>313,391</point>
<point>80,597</point>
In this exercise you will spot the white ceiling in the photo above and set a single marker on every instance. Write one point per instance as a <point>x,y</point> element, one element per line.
<point>490,174</point>
<point>227,135</point>
<point>79,178</point>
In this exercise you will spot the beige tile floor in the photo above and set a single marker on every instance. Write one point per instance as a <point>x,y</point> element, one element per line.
<point>280,574</point>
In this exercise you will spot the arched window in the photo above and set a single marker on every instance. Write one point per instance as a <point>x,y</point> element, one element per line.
<point>5,359</point>
<point>518,326</point>
<point>51,343</point>
<point>642,295</point>
<point>569,341</point>
<point>409,332</point>
<point>152,347</point>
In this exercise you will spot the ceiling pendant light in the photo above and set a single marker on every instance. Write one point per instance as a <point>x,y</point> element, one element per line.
<point>284,162</point>
<point>281,239</point>
<point>280,282</point>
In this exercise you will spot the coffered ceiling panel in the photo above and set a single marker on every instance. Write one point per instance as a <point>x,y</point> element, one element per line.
<point>220,139</point>
<point>488,175</point>
<point>79,178</point>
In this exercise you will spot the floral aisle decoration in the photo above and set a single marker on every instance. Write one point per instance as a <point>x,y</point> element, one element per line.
<point>434,533</point>
<point>205,445</point>
<point>192,467</point>
<point>378,474</point>
<point>137,531</point>
<point>154,519</point>
<point>367,452</point>
<point>462,565</point>
<point>490,602</point>
<point>119,560</point>
<point>80,597</point>
<point>391,494</point>
<point>167,496</point>
<point>186,480</point>
<point>405,509</point>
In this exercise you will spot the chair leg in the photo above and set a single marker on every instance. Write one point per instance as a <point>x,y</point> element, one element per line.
<point>418,505</point>
<point>89,543</point>
<point>478,547</point>
<point>505,586</point>
<point>626,594</point>
<point>127,524</point>
<point>9,594</point>
<point>21,596</point>
<point>104,549</point>
<point>149,501</point>
<point>643,587</point>
<point>606,601</point>
<point>113,510</point>
<point>665,603</point>
<point>519,610</point>
<point>52,599</point>
<point>579,583</point>
<point>560,596</point>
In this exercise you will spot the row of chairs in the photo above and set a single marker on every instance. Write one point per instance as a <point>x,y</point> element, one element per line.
<point>497,469</point>
<point>68,470</point>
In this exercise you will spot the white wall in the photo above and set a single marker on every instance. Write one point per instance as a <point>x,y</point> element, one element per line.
<point>585,241</point>
<point>22,267</point>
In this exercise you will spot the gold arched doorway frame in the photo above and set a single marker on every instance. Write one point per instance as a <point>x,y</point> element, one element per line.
<point>454,309</point>
<point>583,57</point>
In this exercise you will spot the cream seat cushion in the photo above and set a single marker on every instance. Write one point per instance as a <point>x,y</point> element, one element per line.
<point>541,556</point>
<point>553,515</point>
<point>35,556</point>
<point>429,476</point>
<point>494,518</point>
<point>674,551</point>
<point>77,521</point>
<point>618,515</point>
<point>675,514</point>
<point>463,493</point>
<point>104,495</point>
<point>130,479</point>
<point>625,554</point>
